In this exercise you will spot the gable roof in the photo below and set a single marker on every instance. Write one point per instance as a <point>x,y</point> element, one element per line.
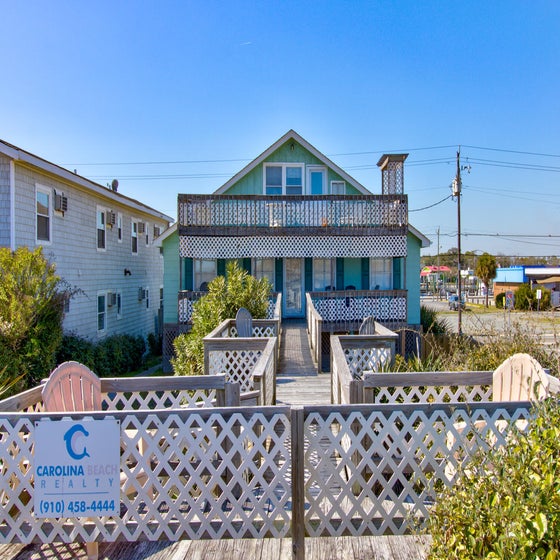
<point>20,155</point>
<point>292,135</point>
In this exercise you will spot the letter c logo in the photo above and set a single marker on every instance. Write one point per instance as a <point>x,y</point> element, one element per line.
<point>70,438</point>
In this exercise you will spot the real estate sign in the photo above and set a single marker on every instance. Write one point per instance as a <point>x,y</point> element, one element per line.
<point>77,468</point>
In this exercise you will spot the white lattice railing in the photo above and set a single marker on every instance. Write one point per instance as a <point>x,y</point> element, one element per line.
<point>262,472</point>
<point>251,362</point>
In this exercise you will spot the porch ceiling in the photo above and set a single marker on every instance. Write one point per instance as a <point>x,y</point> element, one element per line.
<point>295,247</point>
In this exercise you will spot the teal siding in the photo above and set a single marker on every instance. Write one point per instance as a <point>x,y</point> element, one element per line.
<point>252,183</point>
<point>412,279</point>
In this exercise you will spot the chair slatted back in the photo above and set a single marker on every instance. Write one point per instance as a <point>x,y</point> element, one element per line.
<point>72,387</point>
<point>244,323</point>
<point>520,378</point>
<point>368,325</point>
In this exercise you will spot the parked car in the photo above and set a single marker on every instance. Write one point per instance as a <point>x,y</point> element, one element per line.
<point>453,301</point>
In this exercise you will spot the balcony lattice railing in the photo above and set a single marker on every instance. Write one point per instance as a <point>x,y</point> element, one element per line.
<point>254,215</point>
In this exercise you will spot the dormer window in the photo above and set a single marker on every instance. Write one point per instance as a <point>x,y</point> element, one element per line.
<point>283,178</point>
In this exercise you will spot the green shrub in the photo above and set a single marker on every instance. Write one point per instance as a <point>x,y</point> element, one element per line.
<point>155,344</point>
<point>31,312</point>
<point>112,356</point>
<point>500,300</point>
<point>225,297</point>
<point>506,502</point>
<point>431,322</point>
<point>526,298</point>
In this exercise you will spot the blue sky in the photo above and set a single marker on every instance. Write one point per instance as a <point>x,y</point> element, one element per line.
<point>125,89</point>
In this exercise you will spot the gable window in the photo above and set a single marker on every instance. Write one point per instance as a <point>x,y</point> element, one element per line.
<point>101,312</point>
<point>338,187</point>
<point>101,228</point>
<point>119,227</point>
<point>381,274</point>
<point>43,202</point>
<point>134,237</point>
<point>283,178</point>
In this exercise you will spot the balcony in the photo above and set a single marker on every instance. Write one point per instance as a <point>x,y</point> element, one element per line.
<point>325,215</point>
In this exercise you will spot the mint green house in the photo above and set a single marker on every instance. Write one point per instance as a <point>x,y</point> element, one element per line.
<point>294,216</point>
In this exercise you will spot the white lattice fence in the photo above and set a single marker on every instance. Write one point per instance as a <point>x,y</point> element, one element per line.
<point>209,475</point>
<point>374,470</point>
<point>349,307</point>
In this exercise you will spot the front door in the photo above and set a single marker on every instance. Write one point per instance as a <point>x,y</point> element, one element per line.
<point>293,297</point>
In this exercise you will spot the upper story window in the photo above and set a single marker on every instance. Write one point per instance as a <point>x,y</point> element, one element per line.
<point>338,187</point>
<point>43,201</point>
<point>283,178</point>
<point>134,237</point>
<point>101,228</point>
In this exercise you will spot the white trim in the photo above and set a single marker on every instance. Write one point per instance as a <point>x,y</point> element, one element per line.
<point>425,242</point>
<point>101,210</point>
<point>103,331</point>
<point>133,222</point>
<point>49,192</point>
<point>292,135</point>
<point>13,205</point>
<point>284,166</point>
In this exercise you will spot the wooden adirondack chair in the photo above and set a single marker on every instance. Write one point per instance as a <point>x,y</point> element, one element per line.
<point>73,387</point>
<point>368,325</point>
<point>520,378</point>
<point>244,323</point>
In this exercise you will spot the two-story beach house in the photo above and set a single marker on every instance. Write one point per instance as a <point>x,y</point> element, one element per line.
<point>100,241</point>
<point>296,217</point>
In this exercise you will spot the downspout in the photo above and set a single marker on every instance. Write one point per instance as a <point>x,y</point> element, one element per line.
<point>12,205</point>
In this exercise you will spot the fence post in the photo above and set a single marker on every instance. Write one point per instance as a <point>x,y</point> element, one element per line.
<point>298,484</point>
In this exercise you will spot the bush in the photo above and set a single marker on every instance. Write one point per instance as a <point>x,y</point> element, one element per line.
<point>225,297</point>
<point>431,323</point>
<point>112,356</point>
<point>31,312</point>
<point>506,503</point>
<point>526,298</point>
<point>500,300</point>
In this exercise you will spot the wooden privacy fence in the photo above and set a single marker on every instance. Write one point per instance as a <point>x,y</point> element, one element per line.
<point>266,472</point>
<point>249,361</point>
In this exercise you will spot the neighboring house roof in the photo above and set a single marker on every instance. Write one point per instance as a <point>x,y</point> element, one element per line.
<point>23,156</point>
<point>292,135</point>
<point>538,272</point>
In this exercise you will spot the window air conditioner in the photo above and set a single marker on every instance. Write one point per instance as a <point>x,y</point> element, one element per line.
<point>60,202</point>
<point>141,294</point>
<point>141,227</point>
<point>111,218</point>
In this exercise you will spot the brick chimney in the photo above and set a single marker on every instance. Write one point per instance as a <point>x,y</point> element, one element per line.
<point>392,173</point>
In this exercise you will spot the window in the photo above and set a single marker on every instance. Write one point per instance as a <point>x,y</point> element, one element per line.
<point>43,198</point>
<point>338,187</point>
<point>101,228</point>
<point>264,268</point>
<point>146,230</point>
<point>119,227</point>
<point>147,292</point>
<point>101,312</point>
<point>283,179</point>
<point>204,271</point>
<point>134,237</point>
<point>119,304</point>
<point>381,274</point>
<point>323,275</point>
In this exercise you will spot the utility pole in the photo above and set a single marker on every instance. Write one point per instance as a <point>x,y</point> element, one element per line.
<point>438,280</point>
<point>457,193</point>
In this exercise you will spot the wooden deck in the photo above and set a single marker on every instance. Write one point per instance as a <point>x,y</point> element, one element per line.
<point>297,380</point>
<point>335,548</point>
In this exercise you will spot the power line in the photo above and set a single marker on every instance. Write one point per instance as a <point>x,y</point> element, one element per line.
<point>431,205</point>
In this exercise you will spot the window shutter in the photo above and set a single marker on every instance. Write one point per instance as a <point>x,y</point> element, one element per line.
<point>188,280</point>
<point>308,274</point>
<point>365,273</point>
<point>397,265</point>
<point>279,274</point>
<point>339,273</point>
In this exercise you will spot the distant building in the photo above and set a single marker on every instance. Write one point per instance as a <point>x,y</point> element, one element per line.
<point>100,241</point>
